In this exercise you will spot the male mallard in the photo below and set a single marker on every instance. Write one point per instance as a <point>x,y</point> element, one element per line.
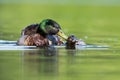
<point>39,34</point>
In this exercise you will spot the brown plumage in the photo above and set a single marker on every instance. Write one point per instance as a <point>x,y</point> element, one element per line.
<point>30,37</point>
<point>30,30</point>
<point>48,32</point>
<point>36,39</point>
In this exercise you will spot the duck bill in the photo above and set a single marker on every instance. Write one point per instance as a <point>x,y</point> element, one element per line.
<point>62,35</point>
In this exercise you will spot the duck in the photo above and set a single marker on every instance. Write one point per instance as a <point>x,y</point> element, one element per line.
<point>47,32</point>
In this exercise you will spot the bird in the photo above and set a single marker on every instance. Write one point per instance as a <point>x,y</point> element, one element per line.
<point>47,32</point>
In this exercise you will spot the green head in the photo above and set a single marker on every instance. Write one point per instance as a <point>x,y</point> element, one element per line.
<point>51,27</point>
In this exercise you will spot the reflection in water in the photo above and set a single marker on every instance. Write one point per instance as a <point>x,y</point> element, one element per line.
<point>63,65</point>
<point>43,62</point>
<point>47,51</point>
<point>71,52</point>
<point>71,57</point>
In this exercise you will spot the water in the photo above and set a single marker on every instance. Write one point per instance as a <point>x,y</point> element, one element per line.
<point>61,65</point>
<point>95,24</point>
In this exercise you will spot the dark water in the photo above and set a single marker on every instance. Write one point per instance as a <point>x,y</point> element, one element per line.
<point>60,64</point>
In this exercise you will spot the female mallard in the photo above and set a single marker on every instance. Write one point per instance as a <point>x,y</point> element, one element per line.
<point>40,34</point>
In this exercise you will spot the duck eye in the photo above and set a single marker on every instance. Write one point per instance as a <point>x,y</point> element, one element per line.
<point>51,30</point>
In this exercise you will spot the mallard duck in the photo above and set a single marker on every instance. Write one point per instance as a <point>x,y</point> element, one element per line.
<point>39,34</point>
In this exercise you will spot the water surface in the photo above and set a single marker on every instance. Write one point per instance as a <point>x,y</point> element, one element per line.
<point>60,64</point>
<point>98,25</point>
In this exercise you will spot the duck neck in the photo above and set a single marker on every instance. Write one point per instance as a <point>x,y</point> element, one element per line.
<point>41,32</point>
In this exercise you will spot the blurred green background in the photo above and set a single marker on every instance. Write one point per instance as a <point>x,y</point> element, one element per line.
<point>94,21</point>
<point>86,19</point>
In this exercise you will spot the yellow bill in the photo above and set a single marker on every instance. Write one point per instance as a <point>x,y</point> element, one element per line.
<point>62,35</point>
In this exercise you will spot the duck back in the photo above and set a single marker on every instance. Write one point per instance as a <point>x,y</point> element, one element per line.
<point>29,30</point>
